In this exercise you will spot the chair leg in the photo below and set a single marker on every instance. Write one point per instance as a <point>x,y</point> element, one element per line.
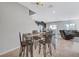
<point>50,50</point>
<point>27,51</point>
<point>44,50</point>
<point>54,46</point>
<point>48,45</point>
<point>20,54</point>
<point>35,45</point>
<point>39,48</point>
<point>23,51</point>
<point>31,50</point>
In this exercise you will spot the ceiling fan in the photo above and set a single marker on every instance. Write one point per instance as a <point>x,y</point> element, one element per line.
<point>42,4</point>
<point>38,3</point>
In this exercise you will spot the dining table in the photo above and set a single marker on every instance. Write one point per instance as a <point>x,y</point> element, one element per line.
<point>28,37</point>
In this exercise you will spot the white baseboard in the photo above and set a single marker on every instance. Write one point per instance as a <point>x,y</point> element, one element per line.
<point>2,53</point>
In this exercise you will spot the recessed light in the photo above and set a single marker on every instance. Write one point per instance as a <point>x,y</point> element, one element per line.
<point>54,11</point>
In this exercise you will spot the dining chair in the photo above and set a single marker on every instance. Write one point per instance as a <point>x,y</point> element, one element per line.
<point>49,42</point>
<point>35,38</point>
<point>29,45</point>
<point>42,42</point>
<point>22,45</point>
<point>45,40</point>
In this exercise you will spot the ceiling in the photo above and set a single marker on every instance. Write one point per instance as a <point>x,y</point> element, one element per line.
<point>54,11</point>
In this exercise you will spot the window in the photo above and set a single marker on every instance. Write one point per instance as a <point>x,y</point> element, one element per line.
<point>53,27</point>
<point>70,26</point>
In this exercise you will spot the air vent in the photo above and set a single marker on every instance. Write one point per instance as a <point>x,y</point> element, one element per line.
<point>31,12</point>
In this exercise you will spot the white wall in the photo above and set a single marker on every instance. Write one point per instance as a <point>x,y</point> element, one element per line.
<point>14,18</point>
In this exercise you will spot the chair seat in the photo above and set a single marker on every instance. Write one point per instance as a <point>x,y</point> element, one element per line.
<point>29,42</point>
<point>23,43</point>
<point>35,38</point>
<point>42,41</point>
